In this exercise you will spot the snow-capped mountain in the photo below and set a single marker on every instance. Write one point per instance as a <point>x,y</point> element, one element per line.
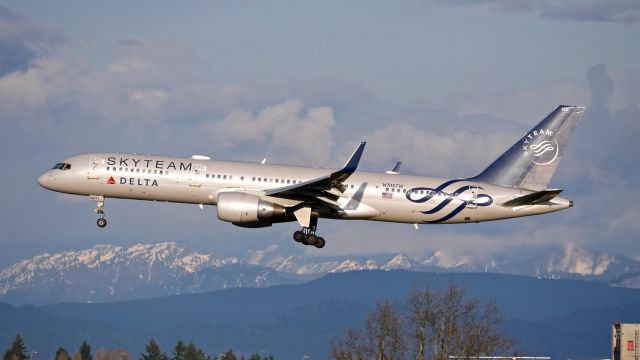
<point>110,273</point>
<point>316,266</point>
<point>566,260</point>
<point>402,262</point>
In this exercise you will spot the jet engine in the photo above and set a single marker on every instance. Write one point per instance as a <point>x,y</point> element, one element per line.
<point>246,210</point>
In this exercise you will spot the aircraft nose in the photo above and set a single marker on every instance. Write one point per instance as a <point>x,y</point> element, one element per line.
<point>45,180</point>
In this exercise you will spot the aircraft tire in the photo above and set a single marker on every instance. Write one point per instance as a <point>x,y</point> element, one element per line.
<point>102,222</point>
<point>320,243</point>
<point>298,236</point>
<point>311,239</point>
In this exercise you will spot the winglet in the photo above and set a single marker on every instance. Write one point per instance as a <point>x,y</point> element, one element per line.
<point>328,182</point>
<point>395,170</point>
<point>352,163</point>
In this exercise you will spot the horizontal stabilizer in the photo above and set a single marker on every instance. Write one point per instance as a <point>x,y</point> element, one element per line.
<point>535,198</point>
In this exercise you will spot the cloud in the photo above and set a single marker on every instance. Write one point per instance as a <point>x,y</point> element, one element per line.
<point>601,164</point>
<point>23,43</point>
<point>149,60</point>
<point>527,105</point>
<point>282,128</point>
<point>26,95</point>
<point>459,153</point>
<point>614,132</point>
<point>614,89</point>
<point>625,11</point>
<point>600,84</point>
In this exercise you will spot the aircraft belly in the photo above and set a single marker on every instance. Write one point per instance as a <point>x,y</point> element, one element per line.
<point>397,211</point>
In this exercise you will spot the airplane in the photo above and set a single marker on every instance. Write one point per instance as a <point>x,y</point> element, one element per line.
<point>255,195</point>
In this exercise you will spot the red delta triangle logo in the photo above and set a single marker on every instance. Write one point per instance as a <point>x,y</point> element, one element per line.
<point>111,181</point>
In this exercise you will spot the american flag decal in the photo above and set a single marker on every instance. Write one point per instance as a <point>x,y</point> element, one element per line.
<point>387,195</point>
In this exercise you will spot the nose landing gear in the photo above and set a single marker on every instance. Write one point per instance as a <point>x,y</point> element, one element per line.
<point>99,200</point>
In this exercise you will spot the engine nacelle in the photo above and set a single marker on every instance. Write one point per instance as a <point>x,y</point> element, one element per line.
<point>247,210</point>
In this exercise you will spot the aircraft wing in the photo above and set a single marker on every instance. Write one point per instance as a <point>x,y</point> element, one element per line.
<point>325,189</point>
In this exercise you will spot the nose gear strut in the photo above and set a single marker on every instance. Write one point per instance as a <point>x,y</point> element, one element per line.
<point>99,200</point>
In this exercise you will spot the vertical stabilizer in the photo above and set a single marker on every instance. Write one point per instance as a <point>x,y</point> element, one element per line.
<point>531,162</point>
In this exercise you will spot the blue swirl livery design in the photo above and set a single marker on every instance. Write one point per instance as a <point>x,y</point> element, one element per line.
<point>462,197</point>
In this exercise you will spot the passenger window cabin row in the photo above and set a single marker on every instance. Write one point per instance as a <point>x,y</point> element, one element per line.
<point>138,170</point>
<point>208,176</point>
<point>420,192</point>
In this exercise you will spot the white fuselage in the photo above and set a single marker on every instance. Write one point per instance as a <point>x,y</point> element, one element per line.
<point>370,196</point>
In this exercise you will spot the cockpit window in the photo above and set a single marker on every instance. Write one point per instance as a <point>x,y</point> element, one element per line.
<point>62,166</point>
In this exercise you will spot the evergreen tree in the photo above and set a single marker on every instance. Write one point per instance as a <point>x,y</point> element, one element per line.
<point>17,351</point>
<point>153,352</point>
<point>193,353</point>
<point>257,356</point>
<point>229,355</point>
<point>62,354</point>
<point>179,351</point>
<point>85,351</point>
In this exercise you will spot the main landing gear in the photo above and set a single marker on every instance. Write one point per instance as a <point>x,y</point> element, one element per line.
<point>309,224</point>
<point>308,236</point>
<point>99,200</point>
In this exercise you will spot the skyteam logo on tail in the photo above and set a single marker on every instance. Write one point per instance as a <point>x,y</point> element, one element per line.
<point>540,146</point>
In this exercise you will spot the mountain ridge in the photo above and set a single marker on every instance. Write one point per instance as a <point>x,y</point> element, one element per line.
<point>111,273</point>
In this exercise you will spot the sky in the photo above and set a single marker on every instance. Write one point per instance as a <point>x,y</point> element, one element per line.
<point>443,86</point>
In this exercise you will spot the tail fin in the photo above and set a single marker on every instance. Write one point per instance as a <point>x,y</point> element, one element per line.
<point>531,162</point>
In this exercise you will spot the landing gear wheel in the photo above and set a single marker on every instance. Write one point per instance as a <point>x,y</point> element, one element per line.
<point>307,235</point>
<point>102,222</point>
<point>312,239</point>
<point>298,236</point>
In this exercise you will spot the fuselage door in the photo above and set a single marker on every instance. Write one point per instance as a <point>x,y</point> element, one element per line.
<point>94,164</point>
<point>473,196</point>
<point>196,175</point>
